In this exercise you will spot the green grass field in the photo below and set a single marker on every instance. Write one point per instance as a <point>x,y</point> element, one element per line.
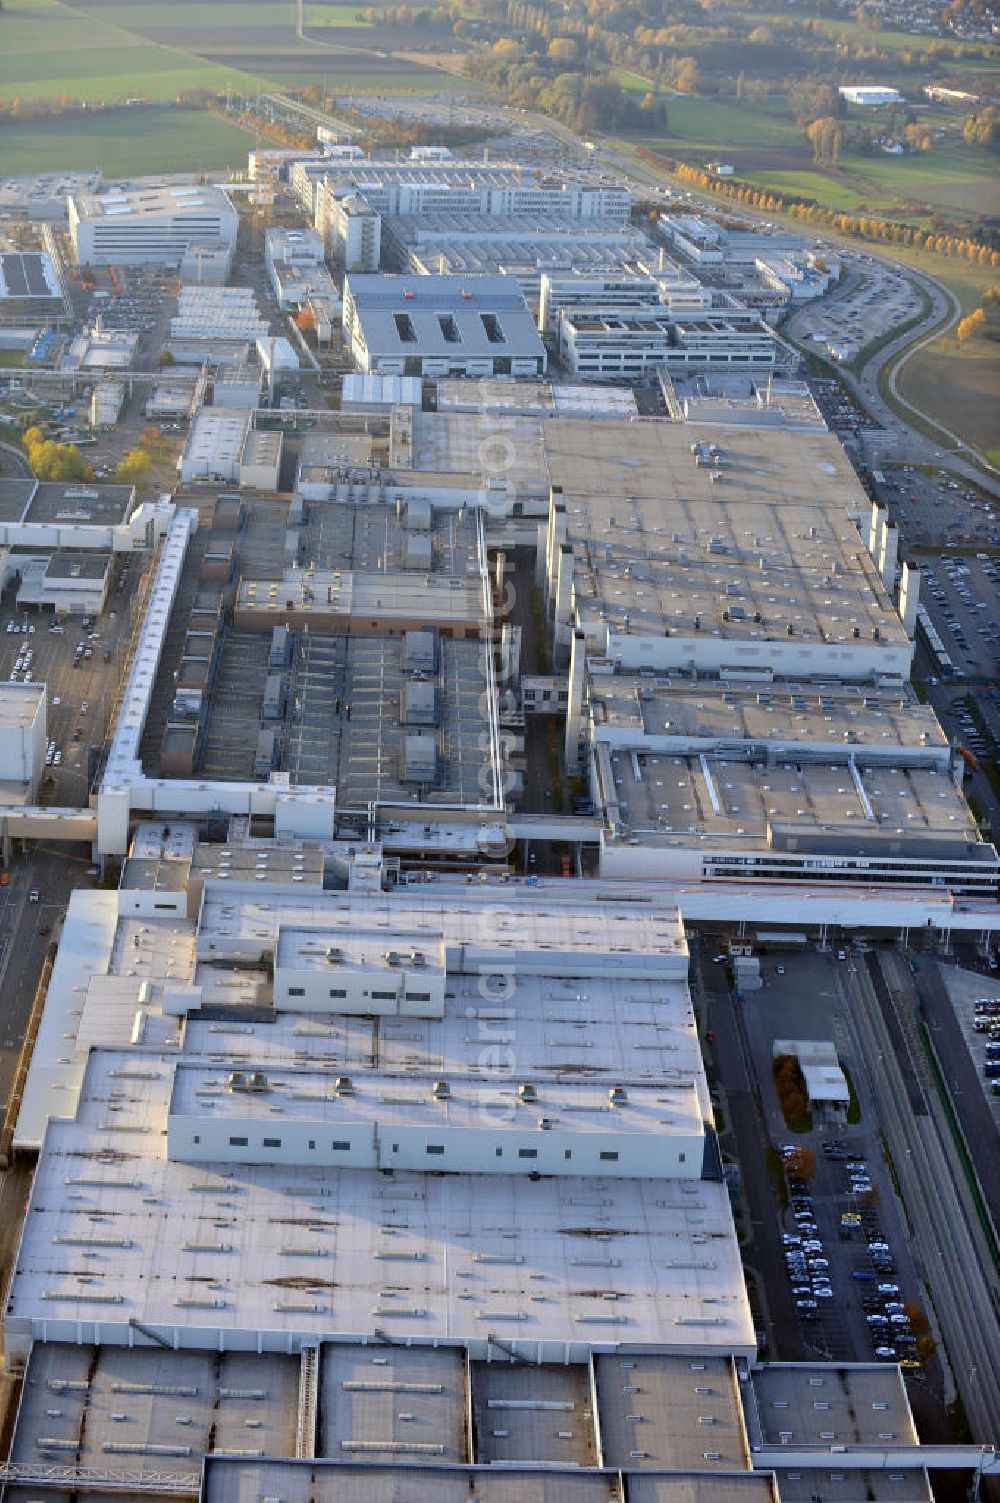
<point>959,385</point>
<point>141,139</point>
<point>904,188</point>
<point>176,16</point>
<point>720,124</point>
<point>946,49</point>
<point>955,177</point>
<point>48,49</point>
<point>109,52</point>
<point>770,150</point>
<point>336,15</point>
<point>812,184</point>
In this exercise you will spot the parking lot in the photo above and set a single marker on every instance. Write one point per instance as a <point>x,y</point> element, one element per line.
<point>936,509</point>
<point>840,412</point>
<point>80,668</point>
<point>840,1263</point>
<point>976,1003</point>
<point>873,299</point>
<point>844,1231</point>
<point>962,596</point>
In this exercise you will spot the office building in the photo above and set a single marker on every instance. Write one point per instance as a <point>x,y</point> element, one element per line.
<point>440,326</point>
<point>608,344</point>
<point>135,226</point>
<point>350,227</point>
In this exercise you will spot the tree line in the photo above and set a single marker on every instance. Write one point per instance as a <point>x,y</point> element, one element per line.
<point>984,321</point>
<point>856,226</point>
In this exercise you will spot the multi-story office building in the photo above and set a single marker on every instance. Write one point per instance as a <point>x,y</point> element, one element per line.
<point>133,226</point>
<point>601,344</point>
<point>350,227</point>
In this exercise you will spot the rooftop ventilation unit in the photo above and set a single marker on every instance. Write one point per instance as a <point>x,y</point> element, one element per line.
<point>343,1086</point>
<point>527,1092</point>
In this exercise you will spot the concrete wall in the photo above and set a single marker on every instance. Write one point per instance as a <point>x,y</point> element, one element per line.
<point>415,993</point>
<point>22,747</point>
<point>493,1148</point>
<point>787,657</point>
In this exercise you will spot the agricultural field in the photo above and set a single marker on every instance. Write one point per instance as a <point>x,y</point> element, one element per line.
<point>956,177</point>
<point>953,179</point>
<point>259,37</point>
<point>106,51</point>
<point>768,149</point>
<point>958,384</point>
<point>135,139</point>
<point>719,124</point>
<point>48,49</point>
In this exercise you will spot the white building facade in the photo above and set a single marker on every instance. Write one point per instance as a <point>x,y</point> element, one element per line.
<point>148,226</point>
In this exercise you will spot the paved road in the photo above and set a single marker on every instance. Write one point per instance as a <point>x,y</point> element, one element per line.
<point>947,1240</point>
<point>14,459</point>
<point>943,313</point>
<point>54,871</point>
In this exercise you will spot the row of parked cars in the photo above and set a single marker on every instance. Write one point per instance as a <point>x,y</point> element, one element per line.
<point>881,1300</point>
<point>987,1020</point>
<point>808,1267</point>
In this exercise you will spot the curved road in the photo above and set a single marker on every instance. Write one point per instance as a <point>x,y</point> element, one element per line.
<point>13,455</point>
<point>942,315</point>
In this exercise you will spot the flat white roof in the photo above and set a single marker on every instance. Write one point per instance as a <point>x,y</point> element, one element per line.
<point>381,1099</point>
<point>583,995</point>
<point>20,703</point>
<point>57,1066</point>
<point>153,202</point>
<point>289,1250</point>
<point>547,936</point>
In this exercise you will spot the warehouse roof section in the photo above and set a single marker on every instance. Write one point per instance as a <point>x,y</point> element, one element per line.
<point>662,1410</point>
<point>381,1402</point>
<point>769,549</point>
<point>721,798</point>
<point>496,1238</point>
<point>669,713</point>
<point>446,317</point>
<point>814,1404</point>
